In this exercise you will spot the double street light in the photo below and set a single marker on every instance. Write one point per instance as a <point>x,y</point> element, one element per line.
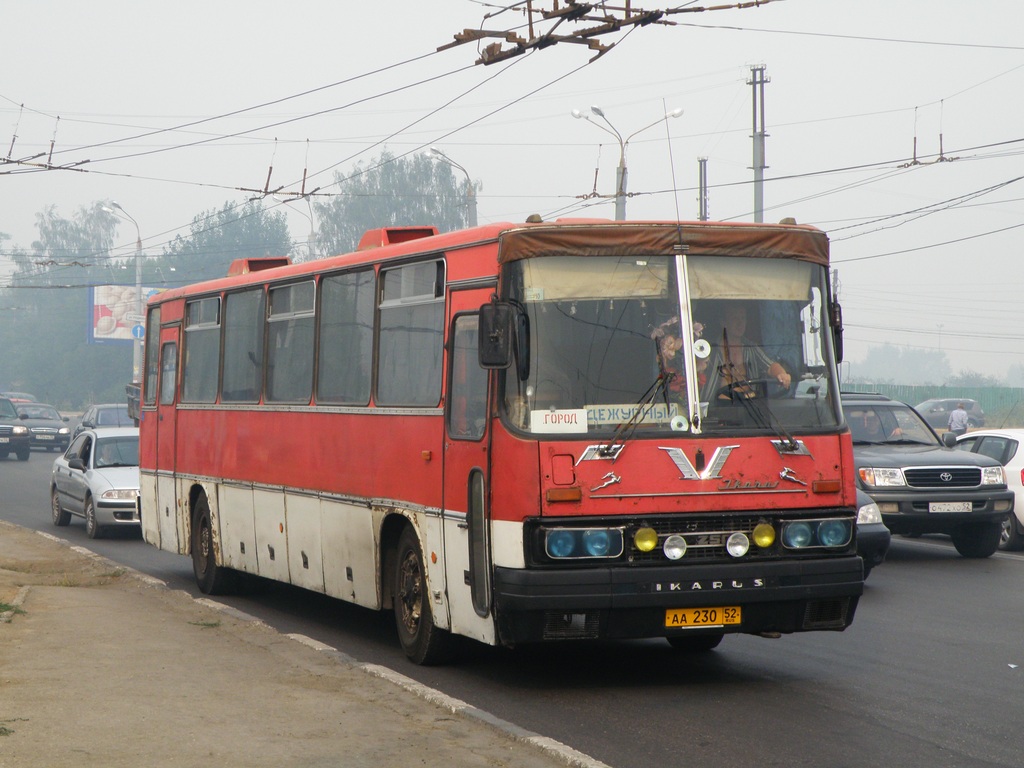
<point>139,309</point>
<point>470,191</point>
<point>620,172</point>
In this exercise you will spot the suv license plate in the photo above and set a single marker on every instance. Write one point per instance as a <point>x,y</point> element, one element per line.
<point>702,617</point>
<point>949,506</point>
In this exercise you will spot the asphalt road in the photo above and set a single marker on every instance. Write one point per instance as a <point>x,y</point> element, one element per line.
<point>930,674</point>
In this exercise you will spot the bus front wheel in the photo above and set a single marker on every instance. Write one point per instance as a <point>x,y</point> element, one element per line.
<point>423,642</point>
<point>211,578</point>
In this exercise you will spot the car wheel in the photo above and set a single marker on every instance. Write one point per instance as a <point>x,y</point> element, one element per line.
<point>211,578</point>
<point>24,453</point>
<point>1010,538</point>
<point>60,516</point>
<point>92,529</point>
<point>979,540</point>
<point>696,643</point>
<point>867,569</point>
<point>423,641</point>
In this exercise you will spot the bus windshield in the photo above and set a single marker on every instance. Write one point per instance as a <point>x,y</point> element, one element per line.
<point>700,344</point>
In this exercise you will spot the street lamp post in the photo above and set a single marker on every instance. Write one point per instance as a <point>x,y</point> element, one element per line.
<point>137,347</point>
<point>620,171</point>
<point>470,191</point>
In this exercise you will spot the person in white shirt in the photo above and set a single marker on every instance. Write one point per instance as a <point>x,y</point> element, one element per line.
<point>958,421</point>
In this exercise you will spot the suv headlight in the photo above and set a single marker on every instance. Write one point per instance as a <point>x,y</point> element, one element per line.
<point>880,477</point>
<point>19,429</point>
<point>992,476</point>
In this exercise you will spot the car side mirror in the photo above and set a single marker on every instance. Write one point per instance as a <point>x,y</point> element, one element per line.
<point>77,463</point>
<point>949,439</point>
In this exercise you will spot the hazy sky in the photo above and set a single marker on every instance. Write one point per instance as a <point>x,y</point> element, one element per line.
<point>181,106</point>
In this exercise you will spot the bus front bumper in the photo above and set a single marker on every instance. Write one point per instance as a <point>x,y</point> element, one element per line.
<point>593,603</point>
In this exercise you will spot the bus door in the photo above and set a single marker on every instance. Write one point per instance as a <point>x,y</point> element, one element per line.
<point>466,476</point>
<point>172,537</point>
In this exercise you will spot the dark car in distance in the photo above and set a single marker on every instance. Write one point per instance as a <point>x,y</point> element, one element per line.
<point>936,412</point>
<point>920,483</point>
<point>49,429</point>
<point>14,435</point>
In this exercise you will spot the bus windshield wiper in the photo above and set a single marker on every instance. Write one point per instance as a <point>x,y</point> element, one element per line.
<point>625,430</point>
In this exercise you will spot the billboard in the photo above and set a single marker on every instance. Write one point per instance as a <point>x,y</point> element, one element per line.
<point>114,315</point>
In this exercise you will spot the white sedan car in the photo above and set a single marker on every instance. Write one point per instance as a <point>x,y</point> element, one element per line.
<point>98,478</point>
<point>1004,445</point>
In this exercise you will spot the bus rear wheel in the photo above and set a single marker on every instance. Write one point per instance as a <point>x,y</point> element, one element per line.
<point>211,578</point>
<point>423,641</point>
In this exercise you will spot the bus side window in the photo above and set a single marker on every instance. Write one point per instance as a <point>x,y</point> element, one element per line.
<point>467,406</point>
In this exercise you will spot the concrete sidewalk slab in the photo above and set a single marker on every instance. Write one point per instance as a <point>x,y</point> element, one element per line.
<point>100,668</point>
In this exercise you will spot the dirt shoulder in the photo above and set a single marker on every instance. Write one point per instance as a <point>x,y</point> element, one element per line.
<point>99,667</point>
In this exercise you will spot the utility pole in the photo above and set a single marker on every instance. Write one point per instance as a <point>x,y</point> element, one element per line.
<point>757,82</point>
<point>702,194</point>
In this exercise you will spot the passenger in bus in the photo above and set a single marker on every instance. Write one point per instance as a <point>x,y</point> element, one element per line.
<point>670,357</point>
<point>736,361</point>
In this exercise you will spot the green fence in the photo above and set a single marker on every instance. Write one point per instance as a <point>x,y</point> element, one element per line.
<point>1003,406</point>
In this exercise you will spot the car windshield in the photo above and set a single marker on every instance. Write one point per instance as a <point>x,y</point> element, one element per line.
<point>117,452</point>
<point>603,350</point>
<point>878,424</point>
<point>7,409</point>
<point>38,412</point>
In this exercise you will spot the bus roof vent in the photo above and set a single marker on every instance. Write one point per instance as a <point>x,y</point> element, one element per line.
<point>245,266</point>
<point>375,238</point>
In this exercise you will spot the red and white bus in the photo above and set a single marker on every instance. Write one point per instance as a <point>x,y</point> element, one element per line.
<point>516,433</point>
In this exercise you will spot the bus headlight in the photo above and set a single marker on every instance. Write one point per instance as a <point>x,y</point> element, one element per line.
<point>833,533</point>
<point>597,543</point>
<point>581,543</point>
<point>796,535</point>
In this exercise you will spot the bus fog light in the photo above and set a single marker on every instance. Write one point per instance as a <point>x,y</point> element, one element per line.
<point>738,544</point>
<point>645,539</point>
<point>764,535</point>
<point>674,547</point>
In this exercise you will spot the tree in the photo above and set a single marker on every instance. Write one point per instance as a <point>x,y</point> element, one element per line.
<point>219,237</point>
<point>43,339</point>
<point>390,191</point>
<point>968,378</point>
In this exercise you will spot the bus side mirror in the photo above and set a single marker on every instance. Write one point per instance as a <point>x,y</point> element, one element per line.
<point>835,313</point>
<point>504,335</point>
<point>495,340</point>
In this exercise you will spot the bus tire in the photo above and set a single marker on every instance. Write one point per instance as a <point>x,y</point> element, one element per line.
<point>211,578</point>
<point>423,642</point>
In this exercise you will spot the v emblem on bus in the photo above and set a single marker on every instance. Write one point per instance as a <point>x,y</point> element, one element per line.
<point>711,471</point>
